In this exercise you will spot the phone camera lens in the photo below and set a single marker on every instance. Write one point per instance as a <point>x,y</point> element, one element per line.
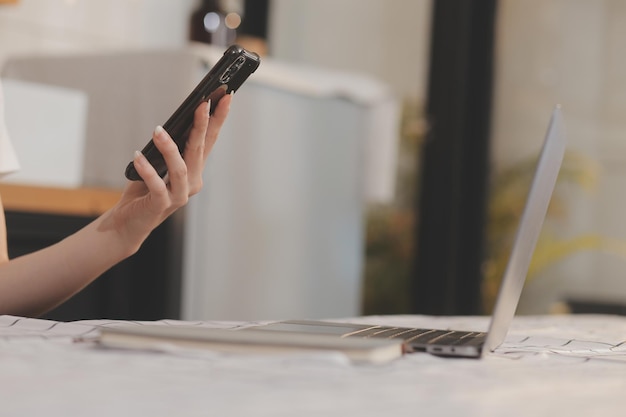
<point>232,69</point>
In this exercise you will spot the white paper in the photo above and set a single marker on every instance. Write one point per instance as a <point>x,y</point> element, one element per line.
<point>549,366</point>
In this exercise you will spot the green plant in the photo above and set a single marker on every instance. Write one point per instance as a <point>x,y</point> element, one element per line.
<point>390,228</point>
<point>507,198</point>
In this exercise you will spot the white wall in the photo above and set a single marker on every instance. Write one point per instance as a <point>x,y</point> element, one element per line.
<point>568,52</point>
<point>68,25</point>
<point>386,39</point>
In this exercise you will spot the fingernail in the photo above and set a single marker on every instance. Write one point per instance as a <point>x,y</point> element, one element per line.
<point>138,156</point>
<point>208,108</point>
<point>158,133</point>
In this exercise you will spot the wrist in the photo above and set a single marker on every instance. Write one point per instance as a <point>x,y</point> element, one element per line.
<point>116,237</point>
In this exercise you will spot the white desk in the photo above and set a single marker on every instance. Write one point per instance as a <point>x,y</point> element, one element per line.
<point>570,366</point>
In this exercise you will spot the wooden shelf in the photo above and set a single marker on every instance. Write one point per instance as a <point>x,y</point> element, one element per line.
<point>145,286</point>
<point>51,200</point>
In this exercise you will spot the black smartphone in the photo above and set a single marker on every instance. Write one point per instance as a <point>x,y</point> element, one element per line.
<point>226,76</point>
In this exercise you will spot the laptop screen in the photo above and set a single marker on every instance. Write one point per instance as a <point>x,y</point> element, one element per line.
<point>528,230</point>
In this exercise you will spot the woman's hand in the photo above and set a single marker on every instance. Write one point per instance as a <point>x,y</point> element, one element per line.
<point>144,205</point>
<point>39,281</point>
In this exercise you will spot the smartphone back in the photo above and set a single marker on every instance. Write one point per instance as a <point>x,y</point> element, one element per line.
<point>226,76</point>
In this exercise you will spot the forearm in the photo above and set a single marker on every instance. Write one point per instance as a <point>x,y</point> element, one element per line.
<point>35,283</point>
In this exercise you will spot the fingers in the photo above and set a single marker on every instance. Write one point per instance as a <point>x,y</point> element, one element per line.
<point>194,149</point>
<point>206,128</point>
<point>145,170</point>
<point>177,169</point>
<point>195,142</point>
<point>201,139</point>
<point>184,172</point>
<point>216,122</point>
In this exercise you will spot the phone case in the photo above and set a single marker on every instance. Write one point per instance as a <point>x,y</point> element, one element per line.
<point>226,76</point>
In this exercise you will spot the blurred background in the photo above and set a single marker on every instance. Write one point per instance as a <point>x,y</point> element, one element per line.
<point>376,163</point>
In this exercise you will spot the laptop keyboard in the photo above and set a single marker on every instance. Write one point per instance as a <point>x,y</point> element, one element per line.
<point>417,338</point>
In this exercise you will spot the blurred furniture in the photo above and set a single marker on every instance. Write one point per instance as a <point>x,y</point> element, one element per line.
<point>129,93</point>
<point>52,145</point>
<point>44,207</point>
<point>145,286</point>
<point>277,230</point>
<point>64,201</point>
<point>589,306</point>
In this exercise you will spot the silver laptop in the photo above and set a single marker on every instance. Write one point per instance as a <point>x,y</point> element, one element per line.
<point>467,343</point>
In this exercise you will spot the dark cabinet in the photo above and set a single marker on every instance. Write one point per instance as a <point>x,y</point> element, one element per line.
<point>146,286</point>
